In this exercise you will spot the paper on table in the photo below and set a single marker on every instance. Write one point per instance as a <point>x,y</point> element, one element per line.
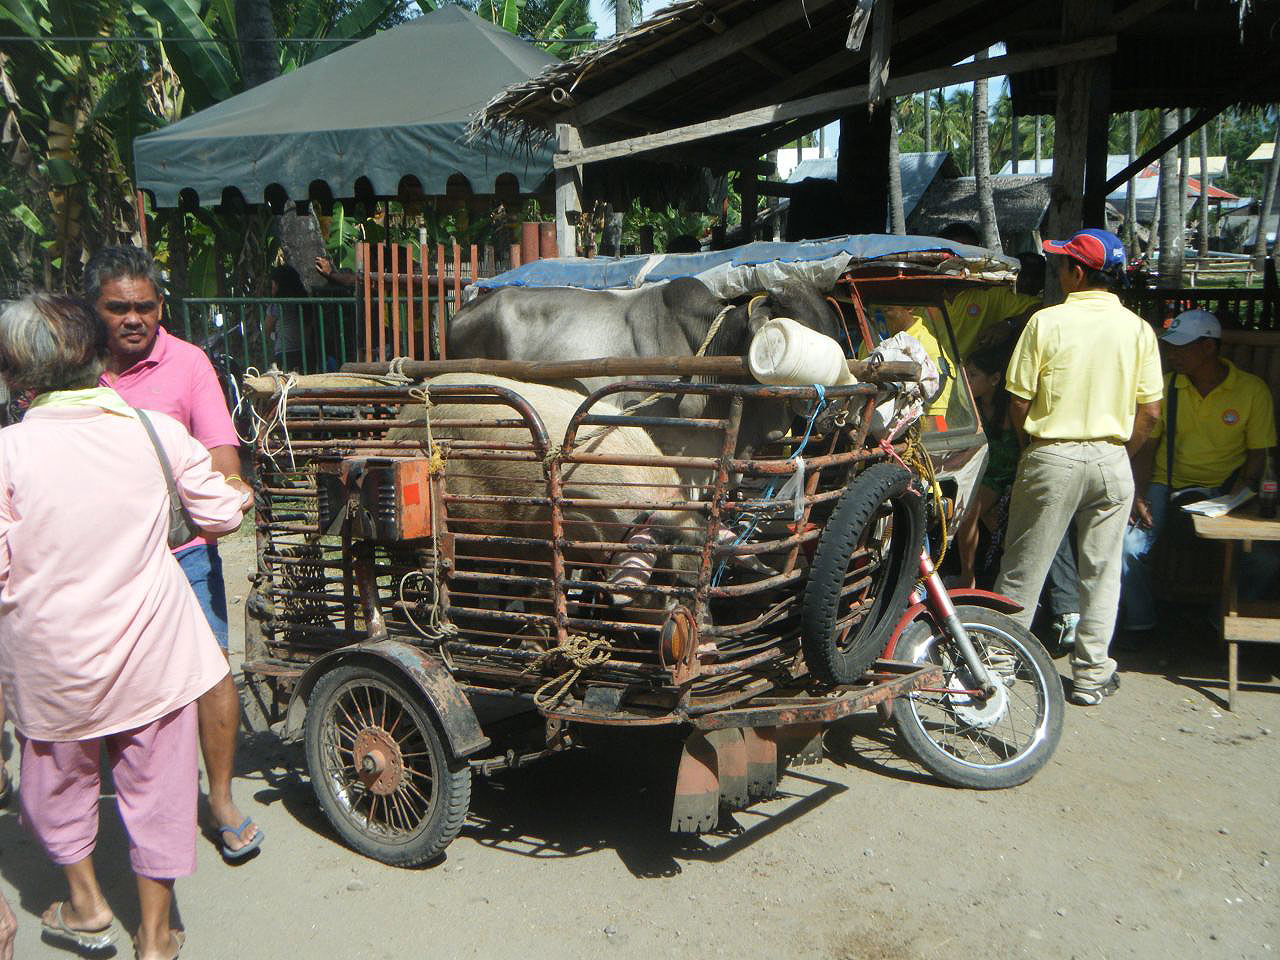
<point>1219,506</point>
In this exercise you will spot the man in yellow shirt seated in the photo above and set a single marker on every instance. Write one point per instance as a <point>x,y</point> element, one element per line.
<point>1222,424</point>
<point>890,319</point>
<point>1084,385</point>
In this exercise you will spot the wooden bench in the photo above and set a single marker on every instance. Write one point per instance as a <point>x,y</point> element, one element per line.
<point>1183,570</point>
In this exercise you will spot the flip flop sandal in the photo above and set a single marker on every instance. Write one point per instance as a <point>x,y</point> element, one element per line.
<point>231,855</point>
<point>84,939</point>
<point>178,935</point>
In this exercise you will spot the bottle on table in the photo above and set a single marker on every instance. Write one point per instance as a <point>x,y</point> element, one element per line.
<point>1267,490</point>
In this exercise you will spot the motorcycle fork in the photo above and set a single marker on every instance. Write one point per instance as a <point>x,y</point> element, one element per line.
<point>944,611</point>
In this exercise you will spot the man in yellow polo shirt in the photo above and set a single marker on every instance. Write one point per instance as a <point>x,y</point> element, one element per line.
<point>1085,387</point>
<point>985,315</point>
<point>1222,425</point>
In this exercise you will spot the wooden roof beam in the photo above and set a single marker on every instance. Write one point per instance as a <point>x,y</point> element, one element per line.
<point>697,57</point>
<point>843,99</point>
<point>909,28</point>
<point>711,20</point>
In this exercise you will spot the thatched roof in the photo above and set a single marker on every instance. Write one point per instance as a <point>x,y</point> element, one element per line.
<point>1182,53</point>
<point>1021,203</point>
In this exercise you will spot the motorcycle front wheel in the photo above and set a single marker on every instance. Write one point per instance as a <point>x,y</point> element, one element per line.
<point>963,739</point>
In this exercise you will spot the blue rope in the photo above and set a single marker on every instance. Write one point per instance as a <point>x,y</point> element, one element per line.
<point>769,490</point>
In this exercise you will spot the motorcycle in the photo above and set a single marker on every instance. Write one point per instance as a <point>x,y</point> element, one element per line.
<point>997,718</point>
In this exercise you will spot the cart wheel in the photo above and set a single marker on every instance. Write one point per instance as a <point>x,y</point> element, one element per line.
<point>862,573</point>
<point>380,769</point>
<point>984,745</point>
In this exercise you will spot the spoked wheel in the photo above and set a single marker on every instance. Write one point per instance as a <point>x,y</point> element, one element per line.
<point>380,769</point>
<point>968,741</point>
<point>862,572</point>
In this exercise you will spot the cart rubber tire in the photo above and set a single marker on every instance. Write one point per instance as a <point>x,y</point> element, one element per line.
<point>1042,736</point>
<point>450,797</point>
<point>830,660</point>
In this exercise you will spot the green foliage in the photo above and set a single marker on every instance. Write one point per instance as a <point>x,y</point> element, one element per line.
<point>667,225</point>
<point>70,111</point>
<point>542,20</point>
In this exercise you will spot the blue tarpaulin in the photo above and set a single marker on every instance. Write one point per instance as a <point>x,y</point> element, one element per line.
<point>729,272</point>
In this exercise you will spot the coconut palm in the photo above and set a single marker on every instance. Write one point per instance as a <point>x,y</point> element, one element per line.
<point>982,164</point>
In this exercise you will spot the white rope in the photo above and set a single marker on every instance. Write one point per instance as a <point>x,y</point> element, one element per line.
<point>263,427</point>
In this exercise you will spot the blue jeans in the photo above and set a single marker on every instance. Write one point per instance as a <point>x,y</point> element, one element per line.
<point>1258,567</point>
<point>203,568</point>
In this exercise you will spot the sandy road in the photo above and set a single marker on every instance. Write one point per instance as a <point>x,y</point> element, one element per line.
<point>1155,832</point>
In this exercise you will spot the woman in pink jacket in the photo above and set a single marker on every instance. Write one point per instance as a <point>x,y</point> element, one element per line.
<point>102,643</point>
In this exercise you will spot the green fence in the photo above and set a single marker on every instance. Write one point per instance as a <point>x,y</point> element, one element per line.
<point>315,334</point>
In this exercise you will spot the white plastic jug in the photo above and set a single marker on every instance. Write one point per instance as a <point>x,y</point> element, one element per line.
<point>789,354</point>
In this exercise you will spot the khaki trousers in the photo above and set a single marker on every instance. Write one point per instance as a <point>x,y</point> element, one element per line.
<point>1092,482</point>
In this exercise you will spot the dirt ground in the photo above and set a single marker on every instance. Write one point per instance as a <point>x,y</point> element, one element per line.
<point>1152,833</point>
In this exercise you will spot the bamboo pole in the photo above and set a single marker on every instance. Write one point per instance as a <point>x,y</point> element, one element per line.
<point>618,367</point>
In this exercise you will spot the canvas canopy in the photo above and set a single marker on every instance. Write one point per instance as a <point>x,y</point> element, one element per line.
<point>394,105</point>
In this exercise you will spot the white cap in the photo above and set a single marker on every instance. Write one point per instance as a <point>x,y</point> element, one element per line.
<point>1192,325</point>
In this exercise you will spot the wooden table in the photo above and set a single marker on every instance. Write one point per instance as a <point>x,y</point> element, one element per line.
<point>1241,622</point>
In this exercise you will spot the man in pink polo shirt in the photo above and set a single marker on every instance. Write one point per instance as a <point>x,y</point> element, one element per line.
<point>154,370</point>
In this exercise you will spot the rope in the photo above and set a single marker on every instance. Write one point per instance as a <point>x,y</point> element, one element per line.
<point>769,490</point>
<point>434,630</point>
<point>435,463</point>
<point>918,461</point>
<point>395,369</point>
<point>581,653</point>
<point>263,426</point>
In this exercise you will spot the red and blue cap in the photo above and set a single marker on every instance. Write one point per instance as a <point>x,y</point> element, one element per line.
<point>1096,249</point>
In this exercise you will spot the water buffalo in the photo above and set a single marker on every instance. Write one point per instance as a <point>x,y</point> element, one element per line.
<point>669,319</point>
<point>471,480</point>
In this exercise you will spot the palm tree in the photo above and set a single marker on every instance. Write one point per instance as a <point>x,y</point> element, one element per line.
<point>982,164</point>
<point>1170,211</point>
<point>897,220</point>
<point>1269,187</point>
<point>1130,194</point>
<point>259,53</point>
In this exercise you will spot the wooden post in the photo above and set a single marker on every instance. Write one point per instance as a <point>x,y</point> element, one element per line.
<point>881,43</point>
<point>142,216</point>
<point>862,167</point>
<point>457,280</point>
<point>515,255</point>
<point>440,304</point>
<point>1077,82</point>
<point>395,298</point>
<point>568,191</point>
<point>382,302</point>
<point>362,258</point>
<point>747,183</point>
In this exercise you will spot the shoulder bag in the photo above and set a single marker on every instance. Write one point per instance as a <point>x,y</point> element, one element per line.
<point>182,529</point>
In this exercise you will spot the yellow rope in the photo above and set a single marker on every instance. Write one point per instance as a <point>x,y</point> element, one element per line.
<point>915,456</point>
<point>435,461</point>
<point>581,653</point>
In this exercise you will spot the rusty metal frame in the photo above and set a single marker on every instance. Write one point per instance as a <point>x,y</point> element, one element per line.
<point>332,581</point>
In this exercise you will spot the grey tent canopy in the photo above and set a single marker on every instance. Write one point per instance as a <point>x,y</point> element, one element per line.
<point>392,106</point>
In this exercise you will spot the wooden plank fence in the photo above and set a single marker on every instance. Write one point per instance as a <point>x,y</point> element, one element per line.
<point>409,291</point>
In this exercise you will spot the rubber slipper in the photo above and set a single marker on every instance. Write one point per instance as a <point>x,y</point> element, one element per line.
<point>178,935</point>
<point>238,832</point>
<point>84,939</point>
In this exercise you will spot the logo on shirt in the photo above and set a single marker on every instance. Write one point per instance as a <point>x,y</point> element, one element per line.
<point>972,310</point>
<point>1230,417</point>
